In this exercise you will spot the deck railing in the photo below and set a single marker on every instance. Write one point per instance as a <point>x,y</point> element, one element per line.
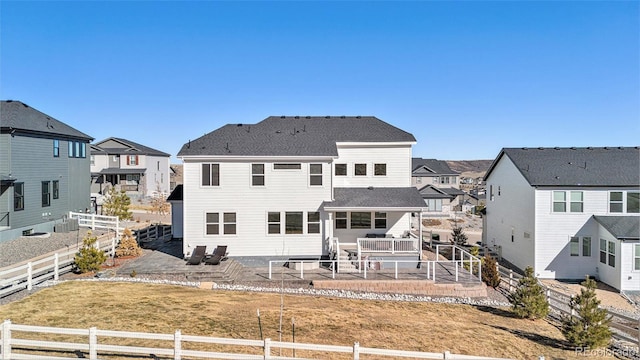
<point>93,221</point>
<point>388,245</point>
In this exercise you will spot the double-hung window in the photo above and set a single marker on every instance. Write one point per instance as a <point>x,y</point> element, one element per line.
<point>18,196</point>
<point>257,174</point>
<point>559,201</point>
<point>608,252</point>
<point>576,201</point>
<point>56,189</point>
<point>210,174</point>
<point>229,223</point>
<point>273,223</point>
<point>313,222</point>
<point>212,223</point>
<point>574,246</point>
<point>611,249</point>
<point>615,202</point>
<point>315,174</point>
<point>380,221</point>
<point>46,194</point>
<point>621,201</point>
<point>341,220</point>
<point>56,148</point>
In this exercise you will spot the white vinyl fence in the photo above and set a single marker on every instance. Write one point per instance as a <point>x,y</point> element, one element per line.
<point>94,342</point>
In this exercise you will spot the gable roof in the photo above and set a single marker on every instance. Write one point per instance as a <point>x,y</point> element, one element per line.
<point>590,166</point>
<point>432,192</point>
<point>294,136</point>
<point>120,146</point>
<point>18,115</point>
<point>622,227</point>
<point>428,167</point>
<point>375,198</point>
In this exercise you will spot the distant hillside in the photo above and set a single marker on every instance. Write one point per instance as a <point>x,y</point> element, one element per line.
<point>470,166</point>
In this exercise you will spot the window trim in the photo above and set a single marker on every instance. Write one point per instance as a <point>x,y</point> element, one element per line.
<point>314,222</point>
<point>583,243</point>
<point>257,175</point>
<point>379,216</point>
<point>360,222</point>
<point>210,175</point>
<point>335,169</point>
<point>316,176</point>
<point>355,169</point>
<point>17,196</point>
<point>294,231</point>
<point>636,257</point>
<point>270,222</point>
<point>207,223</point>
<point>55,189</point>
<point>226,223</point>
<point>56,148</point>
<point>572,202</point>
<point>341,218</point>
<point>46,195</point>
<point>375,169</point>
<point>574,246</point>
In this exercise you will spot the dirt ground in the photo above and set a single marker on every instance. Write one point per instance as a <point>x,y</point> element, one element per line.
<point>608,296</point>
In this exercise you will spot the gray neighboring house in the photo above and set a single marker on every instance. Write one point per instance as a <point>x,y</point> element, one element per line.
<point>135,168</point>
<point>44,170</point>
<point>438,185</point>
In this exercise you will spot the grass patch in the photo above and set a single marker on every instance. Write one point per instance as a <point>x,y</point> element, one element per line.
<point>429,327</point>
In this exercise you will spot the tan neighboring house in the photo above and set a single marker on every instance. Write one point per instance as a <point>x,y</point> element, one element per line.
<point>135,168</point>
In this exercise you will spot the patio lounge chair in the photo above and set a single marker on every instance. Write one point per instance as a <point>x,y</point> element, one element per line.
<point>219,254</point>
<point>197,255</point>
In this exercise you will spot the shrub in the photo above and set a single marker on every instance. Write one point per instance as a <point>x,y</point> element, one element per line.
<point>117,204</point>
<point>475,251</point>
<point>590,328</point>
<point>528,300</point>
<point>490,274</point>
<point>458,236</point>
<point>128,245</point>
<point>89,258</point>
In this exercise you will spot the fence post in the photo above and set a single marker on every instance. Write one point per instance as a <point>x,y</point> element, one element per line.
<point>177,345</point>
<point>302,269</point>
<point>480,270</point>
<point>456,266</point>
<point>93,344</point>
<point>29,276</point>
<point>510,280</point>
<point>6,340</point>
<point>269,270</point>
<point>446,355</point>
<point>93,222</point>
<point>56,271</point>
<point>267,348</point>
<point>548,292</point>
<point>434,270</point>
<point>356,351</point>
<point>573,311</point>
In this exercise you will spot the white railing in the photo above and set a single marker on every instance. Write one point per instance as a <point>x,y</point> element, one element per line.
<point>463,258</point>
<point>88,344</point>
<point>40,269</point>
<point>389,245</point>
<point>366,265</point>
<point>94,221</point>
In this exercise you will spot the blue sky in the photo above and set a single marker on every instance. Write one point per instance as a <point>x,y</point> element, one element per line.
<point>465,78</point>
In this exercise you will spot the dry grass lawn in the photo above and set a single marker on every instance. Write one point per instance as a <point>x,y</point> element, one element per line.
<point>409,326</point>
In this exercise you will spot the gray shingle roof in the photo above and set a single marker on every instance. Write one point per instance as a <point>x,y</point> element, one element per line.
<point>601,166</point>
<point>427,167</point>
<point>622,227</point>
<point>374,198</point>
<point>294,136</point>
<point>19,116</point>
<point>130,148</point>
<point>432,192</point>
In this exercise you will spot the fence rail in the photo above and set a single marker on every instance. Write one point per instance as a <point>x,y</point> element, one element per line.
<point>152,232</point>
<point>87,343</point>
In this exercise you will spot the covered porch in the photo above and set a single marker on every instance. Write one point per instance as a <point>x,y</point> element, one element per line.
<point>126,179</point>
<point>372,226</point>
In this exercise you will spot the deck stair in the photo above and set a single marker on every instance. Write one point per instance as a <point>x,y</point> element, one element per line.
<point>347,262</point>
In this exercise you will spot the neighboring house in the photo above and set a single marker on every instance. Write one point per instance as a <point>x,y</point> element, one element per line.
<point>175,176</point>
<point>44,170</point>
<point>177,211</point>
<point>135,168</point>
<point>297,186</point>
<point>568,212</point>
<point>438,185</point>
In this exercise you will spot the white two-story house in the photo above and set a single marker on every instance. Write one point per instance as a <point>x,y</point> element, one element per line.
<point>568,212</point>
<point>137,169</point>
<point>293,186</point>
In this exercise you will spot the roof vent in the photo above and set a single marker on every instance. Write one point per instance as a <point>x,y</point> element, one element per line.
<point>589,148</point>
<point>573,148</point>
<point>556,148</point>
<point>308,117</point>
<point>342,117</point>
<point>297,117</point>
<point>370,188</point>
<point>524,148</point>
<point>239,125</point>
<point>541,148</point>
<point>327,117</point>
<point>358,117</point>
<point>282,117</point>
<point>9,100</point>
<point>606,148</point>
